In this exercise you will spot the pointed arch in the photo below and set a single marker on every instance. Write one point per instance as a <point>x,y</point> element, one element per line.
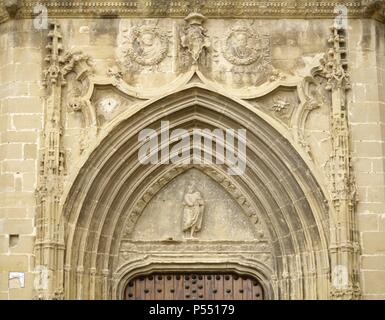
<point>278,185</point>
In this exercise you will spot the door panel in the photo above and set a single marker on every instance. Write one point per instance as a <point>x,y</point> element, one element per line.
<point>194,286</point>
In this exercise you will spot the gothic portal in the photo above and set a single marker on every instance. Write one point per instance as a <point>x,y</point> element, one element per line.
<point>107,193</point>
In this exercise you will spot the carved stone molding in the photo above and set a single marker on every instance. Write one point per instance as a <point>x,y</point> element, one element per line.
<point>216,8</point>
<point>255,250</point>
<point>258,246</point>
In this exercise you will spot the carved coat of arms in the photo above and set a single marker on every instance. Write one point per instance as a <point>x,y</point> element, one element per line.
<point>194,36</point>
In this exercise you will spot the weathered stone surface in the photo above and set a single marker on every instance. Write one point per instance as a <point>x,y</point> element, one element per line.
<point>223,219</point>
<point>315,146</point>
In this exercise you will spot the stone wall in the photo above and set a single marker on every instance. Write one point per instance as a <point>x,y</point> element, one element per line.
<point>23,101</point>
<point>366,51</point>
<point>21,117</point>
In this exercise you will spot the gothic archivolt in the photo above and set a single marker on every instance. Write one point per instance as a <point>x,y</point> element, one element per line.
<point>134,186</point>
<point>231,82</point>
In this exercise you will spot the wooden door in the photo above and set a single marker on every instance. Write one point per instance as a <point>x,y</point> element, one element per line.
<point>194,286</point>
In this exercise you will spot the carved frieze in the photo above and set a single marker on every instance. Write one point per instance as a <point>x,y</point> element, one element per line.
<point>212,8</point>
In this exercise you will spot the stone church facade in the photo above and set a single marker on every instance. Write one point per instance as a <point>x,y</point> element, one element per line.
<point>82,218</point>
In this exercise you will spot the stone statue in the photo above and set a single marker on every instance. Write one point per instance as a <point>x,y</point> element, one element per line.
<point>193,211</point>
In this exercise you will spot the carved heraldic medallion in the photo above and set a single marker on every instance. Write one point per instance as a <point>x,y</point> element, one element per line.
<point>145,45</point>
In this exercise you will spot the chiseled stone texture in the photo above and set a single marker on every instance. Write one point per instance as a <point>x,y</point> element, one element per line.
<point>21,121</point>
<point>295,43</point>
<point>367,102</point>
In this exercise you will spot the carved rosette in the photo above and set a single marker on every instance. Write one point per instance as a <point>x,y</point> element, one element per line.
<point>280,105</point>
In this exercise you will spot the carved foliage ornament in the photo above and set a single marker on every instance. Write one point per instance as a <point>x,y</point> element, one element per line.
<point>145,45</point>
<point>61,65</point>
<point>334,65</point>
<point>280,104</point>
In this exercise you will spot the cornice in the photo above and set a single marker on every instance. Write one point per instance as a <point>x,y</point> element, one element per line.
<point>212,9</point>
